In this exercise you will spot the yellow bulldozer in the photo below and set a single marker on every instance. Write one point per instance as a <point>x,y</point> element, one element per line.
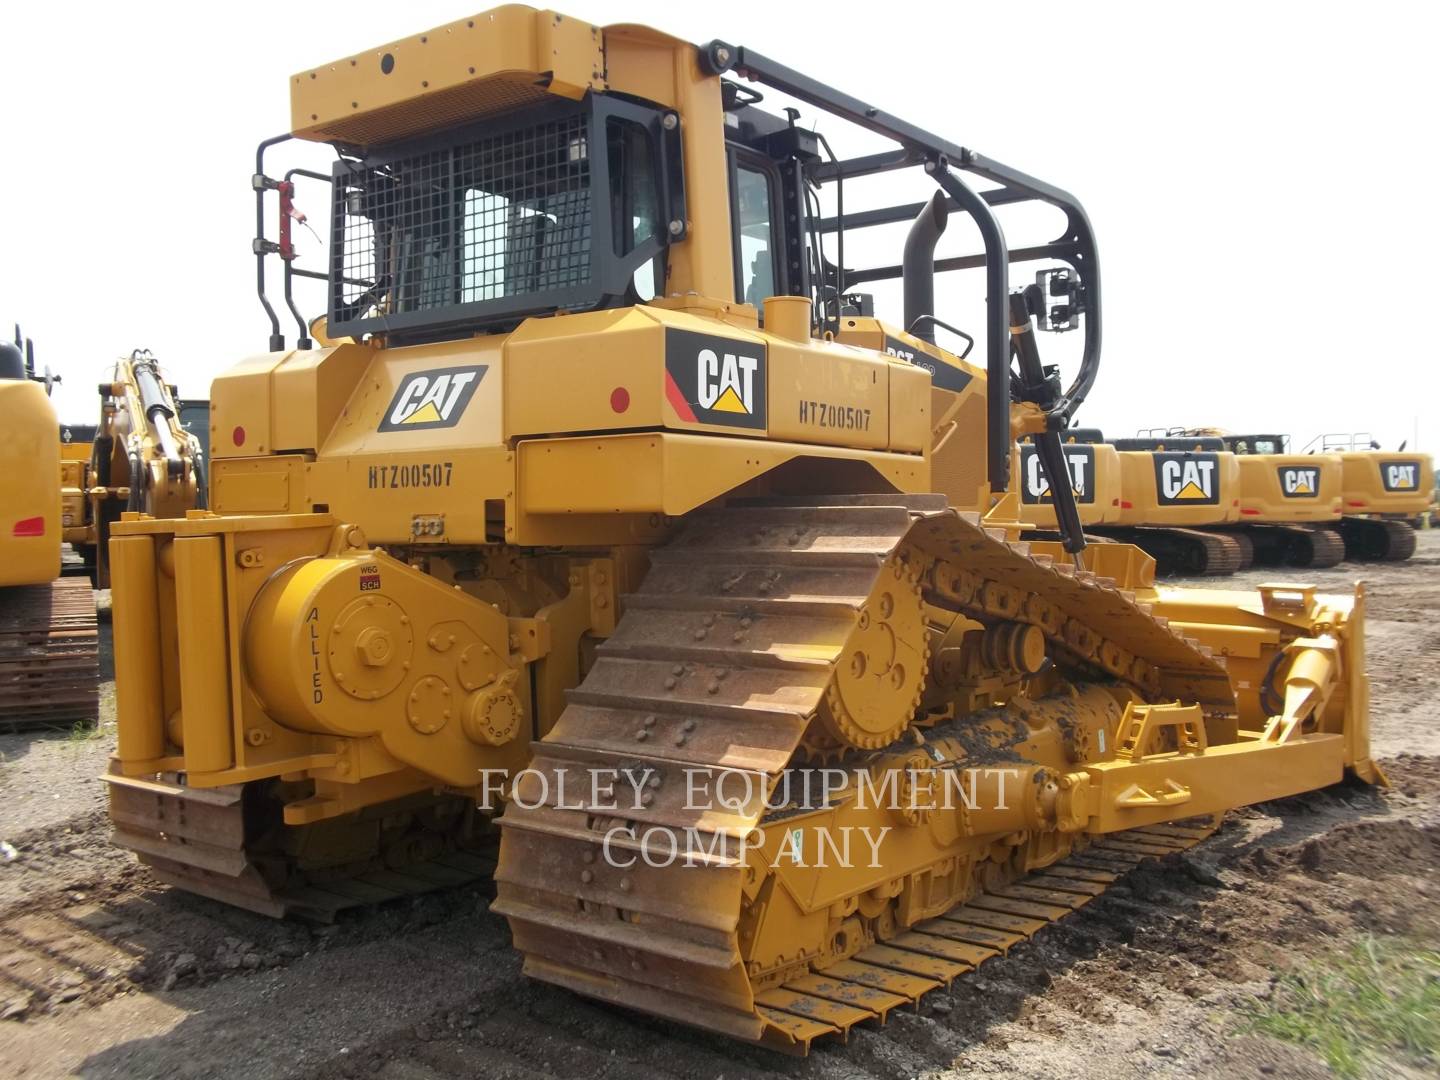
<point>1382,494</point>
<point>601,503</point>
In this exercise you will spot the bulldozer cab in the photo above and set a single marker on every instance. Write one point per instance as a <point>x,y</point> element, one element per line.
<point>522,164</point>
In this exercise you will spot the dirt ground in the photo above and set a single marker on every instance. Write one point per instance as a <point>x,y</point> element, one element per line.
<point>106,973</point>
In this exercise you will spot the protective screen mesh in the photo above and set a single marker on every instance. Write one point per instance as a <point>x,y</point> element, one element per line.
<point>502,216</point>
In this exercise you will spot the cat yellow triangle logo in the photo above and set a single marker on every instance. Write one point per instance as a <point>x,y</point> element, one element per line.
<point>730,402</point>
<point>1303,488</point>
<point>426,414</point>
<point>1191,491</point>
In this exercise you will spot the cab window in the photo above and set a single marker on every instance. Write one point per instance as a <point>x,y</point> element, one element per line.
<point>754,235</point>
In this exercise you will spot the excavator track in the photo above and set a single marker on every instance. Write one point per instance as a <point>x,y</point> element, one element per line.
<point>1313,547</point>
<point>49,655</point>
<point>1377,539</point>
<point>704,673</point>
<point>1189,551</point>
<point>1247,550</point>
<point>1325,546</point>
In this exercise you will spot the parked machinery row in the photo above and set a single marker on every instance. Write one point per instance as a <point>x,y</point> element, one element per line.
<point>64,485</point>
<point>1211,503</point>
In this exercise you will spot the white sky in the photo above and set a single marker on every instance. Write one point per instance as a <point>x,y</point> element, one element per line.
<point>1261,178</point>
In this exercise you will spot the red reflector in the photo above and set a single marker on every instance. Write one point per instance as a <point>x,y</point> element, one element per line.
<point>619,399</point>
<point>1353,502</point>
<point>29,527</point>
<point>238,435</point>
<point>1247,510</point>
<point>1126,504</point>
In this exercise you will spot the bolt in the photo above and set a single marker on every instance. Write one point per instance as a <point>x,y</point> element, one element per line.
<point>649,721</point>
<point>700,635</point>
<point>587,876</point>
<point>737,636</point>
<point>588,857</point>
<point>670,682</point>
<point>688,725</point>
<point>624,884</point>
<point>678,669</point>
<point>745,622</point>
<point>670,122</point>
<point>713,688</point>
<point>679,740</point>
<point>723,55</point>
<point>677,227</point>
<point>641,735</point>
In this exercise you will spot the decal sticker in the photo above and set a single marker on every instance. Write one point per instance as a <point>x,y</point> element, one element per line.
<point>825,415</point>
<point>432,399</point>
<point>1035,485</point>
<point>715,380</point>
<point>1400,475</point>
<point>1299,481</point>
<point>369,578</point>
<point>1183,479</point>
<point>941,374</point>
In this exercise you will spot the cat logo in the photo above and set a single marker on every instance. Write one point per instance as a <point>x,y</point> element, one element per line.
<point>1400,475</point>
<point>1183,479</point>
<point>431,399</point>
<point>1035,485</point>
<point>715,380</point>
<point>1300,481</point>
<point>946,376</point>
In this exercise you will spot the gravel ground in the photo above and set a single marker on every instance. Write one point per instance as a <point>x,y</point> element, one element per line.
<point>106,973</point>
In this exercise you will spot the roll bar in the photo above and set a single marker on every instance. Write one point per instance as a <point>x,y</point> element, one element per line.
<point>944,161</point>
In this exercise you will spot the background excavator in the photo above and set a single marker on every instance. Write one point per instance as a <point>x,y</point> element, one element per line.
<point>547,517</point>
<point>49,641</point>
<point>1382,493</point>
<point>1158,497</point>
<point>138,457</point>
<point>1284,504</point>
<point>141,457</point>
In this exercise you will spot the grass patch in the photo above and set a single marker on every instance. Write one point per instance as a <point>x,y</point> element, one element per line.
<point>85,732</point>
<point>1377,1002</point>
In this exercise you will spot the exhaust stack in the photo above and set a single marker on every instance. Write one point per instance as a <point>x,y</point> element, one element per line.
<point>918,265</point>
